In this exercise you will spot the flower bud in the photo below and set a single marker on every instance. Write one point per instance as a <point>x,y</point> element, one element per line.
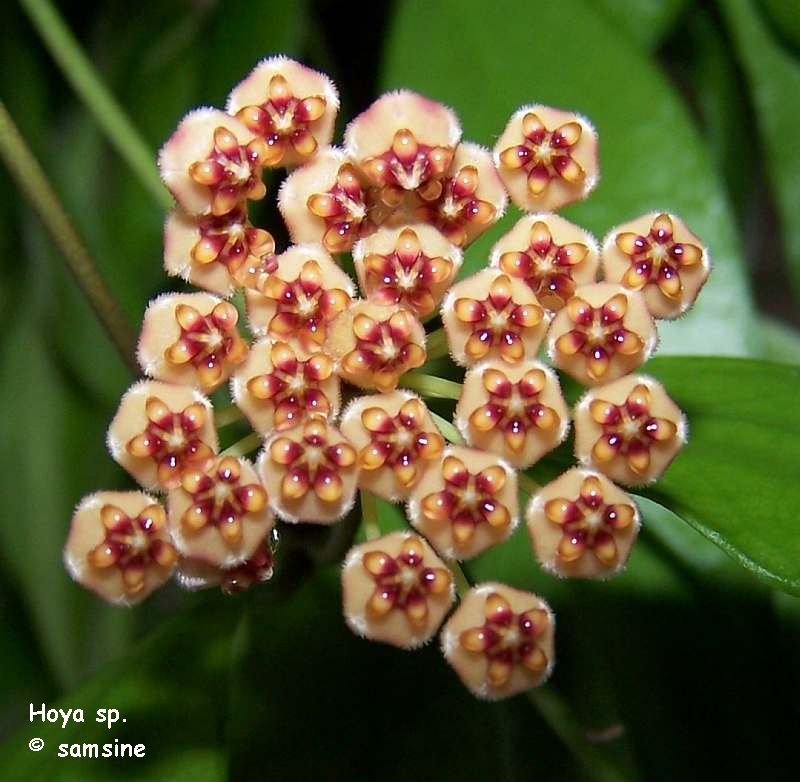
<point>212,163</point>
<point>500,641</point>
<point>119,546</point>
<point>604,332</point>
<point>547,158</point>
<point>298,301</point>
<point>220,515</point>
<point>396,590</point>
<point>465,503</point>
<point>278,386</point>
<point>396,441</point>
<point>581,525</point>
<point>630,430</point>
<point>658,255</point>
<point>550,254</point>
<point>375,345</point>
<point>516,411</point>
<point>160,430</point>
<point>310,472</point>
<point>290,107</point>
<point>412,265</point>
<point>192,339</point>
<point>492,315</point>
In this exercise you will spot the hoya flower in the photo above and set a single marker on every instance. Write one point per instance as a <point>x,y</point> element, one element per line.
<point>492,315</point>
<point>396,440</point>
<point>220,515</point>
<point>517,412</point>
<point>290,107</point>
<point>119,546</point>
<point>375,345</point>
<point>328,201</point>
<point>500,641</point>
<point>218,254</point>
<point>160,430</point>
<point>191,338</point>
<point>582,525</point>
<point>395,589</point>
<point>471,199</point>
<point>550,254</point>
<point>279,386</point>
<point>603,333</point>
<point>194,574</point>
<point>630,430</point>
<point>310,472</point>
<point>411,265</point>
<point>658,255</point>
<point>547,158</point>
<point>404,143</point>
<point>298,301</point>
<point>466,503</point>
<point>212,163</point>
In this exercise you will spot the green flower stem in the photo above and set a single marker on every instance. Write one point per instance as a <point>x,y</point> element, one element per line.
<point>459,578</point>
<point>246,445</point>
<point>227,416</point>
<point>82,75</point>
<point>428,385</point>
<point>527,484</point>
<point>436,344</point>
<point>369,515</point>
<point>448,431</point>
<point>33,183</point>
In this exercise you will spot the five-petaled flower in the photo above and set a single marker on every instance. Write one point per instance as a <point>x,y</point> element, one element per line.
<point>507,639</point>
<point>406,275</point>
<point>629,430</point>
<point>219,498</point>
<point>598,333</point>
<point>293,386</point>
<point>400,442</point>
<point>657,258</point>
<point>231,171</point>
<point>467,499</point>
<point>131,544</point>
<point>589,523</point>
<point>304,306</point>
<point>514,407</point>
<point>546,266</point>
<point>545,154</point>
<point>209,342</point>
<point>172,440</point>
<point>312,463</point>
<point>404,582</point>
<point>497,322</point>
<point>384,349</point>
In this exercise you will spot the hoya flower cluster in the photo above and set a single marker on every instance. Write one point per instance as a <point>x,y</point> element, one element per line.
<point>404,196</point>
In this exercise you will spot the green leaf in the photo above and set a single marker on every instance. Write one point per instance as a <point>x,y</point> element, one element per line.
<point>651,155</point>
<point>773,77</point>
<point>646,22</point>
<point>736,481</point>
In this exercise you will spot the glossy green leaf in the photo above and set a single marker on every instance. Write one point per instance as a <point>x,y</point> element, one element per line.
<point>651,155</point>
<point>773,77</point>
<point>736,481</point>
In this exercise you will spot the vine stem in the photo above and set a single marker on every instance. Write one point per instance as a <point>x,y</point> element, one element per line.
<point>369,514</point>
<point>87,83</point>
<point>244,446</point>
<point>33,183</point>
<point>430,386</point>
